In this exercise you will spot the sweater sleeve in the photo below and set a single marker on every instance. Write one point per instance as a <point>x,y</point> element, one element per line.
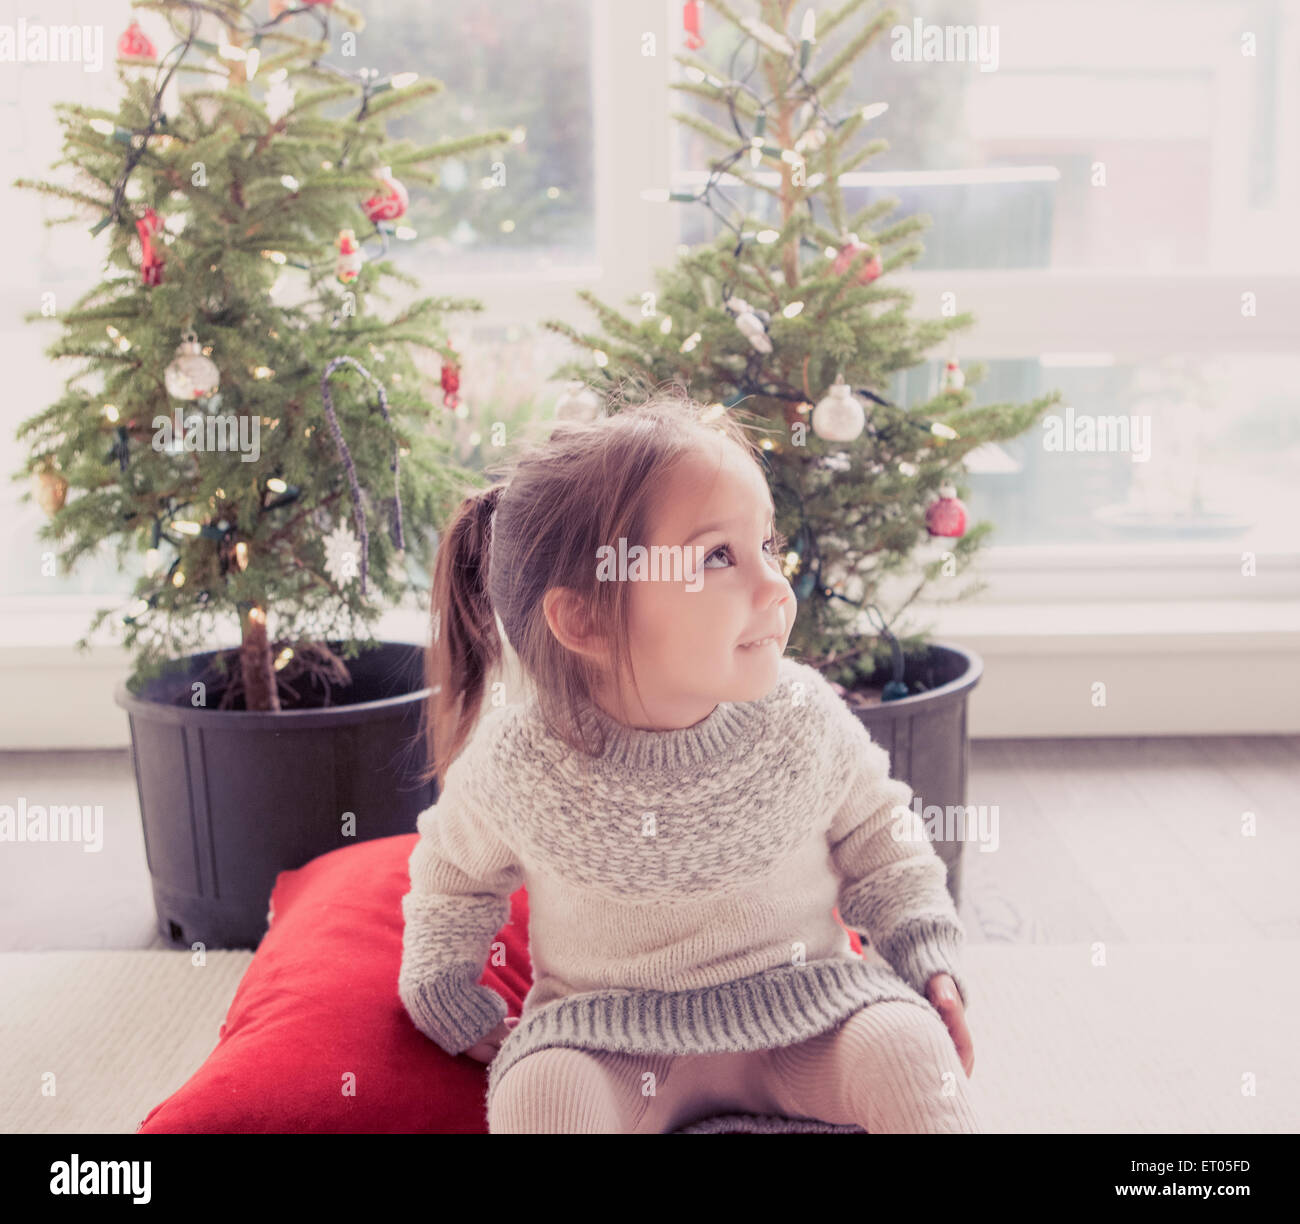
<point>893,884</point>
<point>462,878</point>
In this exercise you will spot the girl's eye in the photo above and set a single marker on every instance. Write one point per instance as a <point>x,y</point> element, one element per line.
<point>775,543</point>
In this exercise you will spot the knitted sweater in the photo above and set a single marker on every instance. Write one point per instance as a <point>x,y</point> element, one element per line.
<point>681,886</point>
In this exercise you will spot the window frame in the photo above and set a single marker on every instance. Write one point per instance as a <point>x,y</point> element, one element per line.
<point>1134,316</point>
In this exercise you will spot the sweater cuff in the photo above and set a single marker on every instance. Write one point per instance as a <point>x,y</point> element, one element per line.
<point>920,948</point>
<point>453,1010</point>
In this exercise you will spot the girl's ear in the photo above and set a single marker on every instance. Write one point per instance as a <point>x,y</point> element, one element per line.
<point>570,621</point>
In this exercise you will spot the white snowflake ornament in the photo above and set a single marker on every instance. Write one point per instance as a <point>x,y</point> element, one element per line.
<point>342,555</point>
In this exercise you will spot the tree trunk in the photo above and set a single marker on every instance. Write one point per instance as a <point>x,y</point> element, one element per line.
<point>260,691</point>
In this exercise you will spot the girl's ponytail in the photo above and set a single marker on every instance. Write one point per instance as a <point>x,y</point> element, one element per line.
<point>465,642</point>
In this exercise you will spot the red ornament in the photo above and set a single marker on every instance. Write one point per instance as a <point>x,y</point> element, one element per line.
<point>390,204</point>
<point>348,265</point>
<point>151,262</point>
<point>848,252</point>
<point>134,44</point>
<point>947,516</point>
<point>450,383</point>
<point>691,21</point>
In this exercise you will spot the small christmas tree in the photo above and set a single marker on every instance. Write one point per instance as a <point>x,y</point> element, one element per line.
<point>242,403</point>
<point>794,313</point>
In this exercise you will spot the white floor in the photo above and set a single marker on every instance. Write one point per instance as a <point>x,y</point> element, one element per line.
<point>1131,953</point>
<point>1164,1038</point>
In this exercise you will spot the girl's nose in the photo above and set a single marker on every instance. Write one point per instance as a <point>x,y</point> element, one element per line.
<point>778,590</point>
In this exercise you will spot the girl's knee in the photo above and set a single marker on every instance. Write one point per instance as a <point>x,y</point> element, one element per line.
<point>903,1071</point>
<point>565,1090</point>
<point>901,1031</point>
<point>552,1091</point>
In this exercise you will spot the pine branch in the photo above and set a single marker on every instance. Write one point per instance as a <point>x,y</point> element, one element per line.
<point>723,10</point>
<point>61,193</point>
<point>411,174</point>
<point>393,100</point>
<point>742,176</point>
<point>826,24</point>
<point>451,148</point>
<point>728,140</point>
<point>869,150</point>
<point>865,217</point>
<point>567,330</point>
<point>745,105</point>
<point>614,322</point>
<point>688,59</point>
<point>854,48</point>
<point>902,229</point>
<point>333,93</point>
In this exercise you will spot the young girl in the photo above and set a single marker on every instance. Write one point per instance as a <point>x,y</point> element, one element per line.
<point>686,808</point>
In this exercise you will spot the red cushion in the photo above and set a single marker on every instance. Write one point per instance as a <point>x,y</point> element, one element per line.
<point>316,1039</point>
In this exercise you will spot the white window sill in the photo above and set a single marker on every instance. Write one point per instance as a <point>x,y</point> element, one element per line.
<point>1127,626</point>
<point>1199,667</point>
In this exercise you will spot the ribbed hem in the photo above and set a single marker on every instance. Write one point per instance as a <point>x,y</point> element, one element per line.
<point>711,739</point>
<point>777,1007</point>
<point>453,1010</point>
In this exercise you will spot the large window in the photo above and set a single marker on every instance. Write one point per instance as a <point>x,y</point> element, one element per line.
<point>1102,197</point>
<point>1100,201</point>
<point>523,66</point>
<point>518,226</point>
<point>64,260</point>
<point>1208,448</point>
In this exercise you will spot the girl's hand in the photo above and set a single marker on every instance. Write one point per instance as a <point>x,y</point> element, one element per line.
<point>486,1050</point>
<point>942,992</point>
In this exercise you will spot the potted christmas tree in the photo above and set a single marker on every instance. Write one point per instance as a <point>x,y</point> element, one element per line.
<point>248,417</point>
<point>792,310</point>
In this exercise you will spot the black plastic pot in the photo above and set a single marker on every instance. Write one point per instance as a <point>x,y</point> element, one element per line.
<point>925,735</point>
<point>229,798</point>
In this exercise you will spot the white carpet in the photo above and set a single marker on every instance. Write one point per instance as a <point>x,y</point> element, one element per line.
<point>1160,1040</point>
<point>119,1031</point>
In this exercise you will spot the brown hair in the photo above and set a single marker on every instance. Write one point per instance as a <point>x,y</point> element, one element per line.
<point>588,484</point>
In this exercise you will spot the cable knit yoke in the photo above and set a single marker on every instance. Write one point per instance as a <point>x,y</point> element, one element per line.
<point>681,885</point>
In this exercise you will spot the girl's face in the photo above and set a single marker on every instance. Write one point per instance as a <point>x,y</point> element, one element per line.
<point>688,636</point>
